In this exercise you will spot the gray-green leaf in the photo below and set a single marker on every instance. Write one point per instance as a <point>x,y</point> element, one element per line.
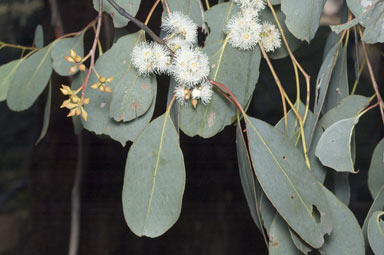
<point>47,114</point>
<point>190,8</point>
<point>61,49</point>
<point>132,94</point>
<point>303,17</point>
<point>334,147</point>
<point>280,242</point>
<point>154,179</point>
<point>29,80</point>
<point>7,72</point>
<point>114,63</point>
<point>376,169</point>
<point>376,232</point>
<point>288,183</point>
<point>346,237</point>
<point>251,187</point>
<point>131,6</point>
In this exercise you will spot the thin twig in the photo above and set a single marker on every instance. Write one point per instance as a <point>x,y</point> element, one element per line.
<point>137,22</point>
<point>92,52</point>
<point>298,116</point>
<point>75,200</point>
<point>372,76</point>
<point>165,2</point>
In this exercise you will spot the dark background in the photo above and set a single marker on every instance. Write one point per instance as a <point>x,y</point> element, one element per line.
<point>36,181</point>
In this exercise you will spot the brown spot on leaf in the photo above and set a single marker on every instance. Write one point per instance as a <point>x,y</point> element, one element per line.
<point>211,119</point>
<point>145,86</point>
<point>292,196</point>
<point>272,241</point>
<point>135,105</point>
<point>284,157</point>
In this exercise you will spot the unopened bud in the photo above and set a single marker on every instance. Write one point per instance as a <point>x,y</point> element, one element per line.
<point>73,54</point>
<point>194,103</point>
<point>102,79</point>
<point>73,69</point>
<point>82,67</point>
<point>78,59</point>
<point>108,89</point>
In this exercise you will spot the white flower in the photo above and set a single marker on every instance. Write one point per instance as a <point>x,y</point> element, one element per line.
<point>250,13</point>
<point>256,4</point>
<point>150,58</point>
<point>190,66</point>
<point>270,37</point>
<point>177,42</point>
<point>182,94</point>
<point>244,32</point>
<point>203,92</point>
<point>162,59</point>
<point>179,24</point>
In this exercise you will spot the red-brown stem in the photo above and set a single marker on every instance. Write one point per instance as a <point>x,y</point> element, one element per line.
<point>151,12</point>
<point>373,80</point>
<point>93,49</point>
<point>167,6</point>
<point>234,99</point>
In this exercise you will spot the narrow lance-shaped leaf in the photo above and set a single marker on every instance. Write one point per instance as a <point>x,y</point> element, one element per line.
<point>334,147</point>
<point>293,134</point>
<point>267,212</point>
<point>280,242</point>
<point>303,17</point>
<point>38,40</point>
<point>7,72</point>
<point>154,179</point>
<point>288,183</point>
<point>299,243</point>
<point>376,169</point>
<point>47,113</point>
<point>30,79</point>
<point>61,49</point>
<point>251,187</point>
<point>236,69</point>
<point>346,237</point>
<point>376,232</point>
<point>322,83</point>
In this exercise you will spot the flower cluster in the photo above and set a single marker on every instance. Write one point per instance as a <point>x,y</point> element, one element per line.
<point>77,60</point>
<point>180,58</point>
<point>245,30</point>
<point>74,104</point>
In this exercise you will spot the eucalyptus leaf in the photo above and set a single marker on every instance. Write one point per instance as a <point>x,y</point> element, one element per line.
<point>131,6</point>
<point>376,232</point>
<point>338,85</point>
<point>154,179</point>
<point>267,212</point>
<point>38,40</point>
<point>282,52</point>
<point>303,17</point>
<point>287,182</point>
<point>342,189</point>
<point>251,187</point>
<point>376,169</point>
<point>322,82</point>
<point>29,80</point>
<point>299,243</point>
<point>47,113</point>
<point>377,205</point>
<point>280,242</point>
<point>349,107</point>
<point>114,63</point>
<point>190,8</point>
<point>7,72</point>
<point>132,94</point>
<point>334,147</point>
<point>293,134</point>
<point>346,237</point>
<point>63,48</point>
